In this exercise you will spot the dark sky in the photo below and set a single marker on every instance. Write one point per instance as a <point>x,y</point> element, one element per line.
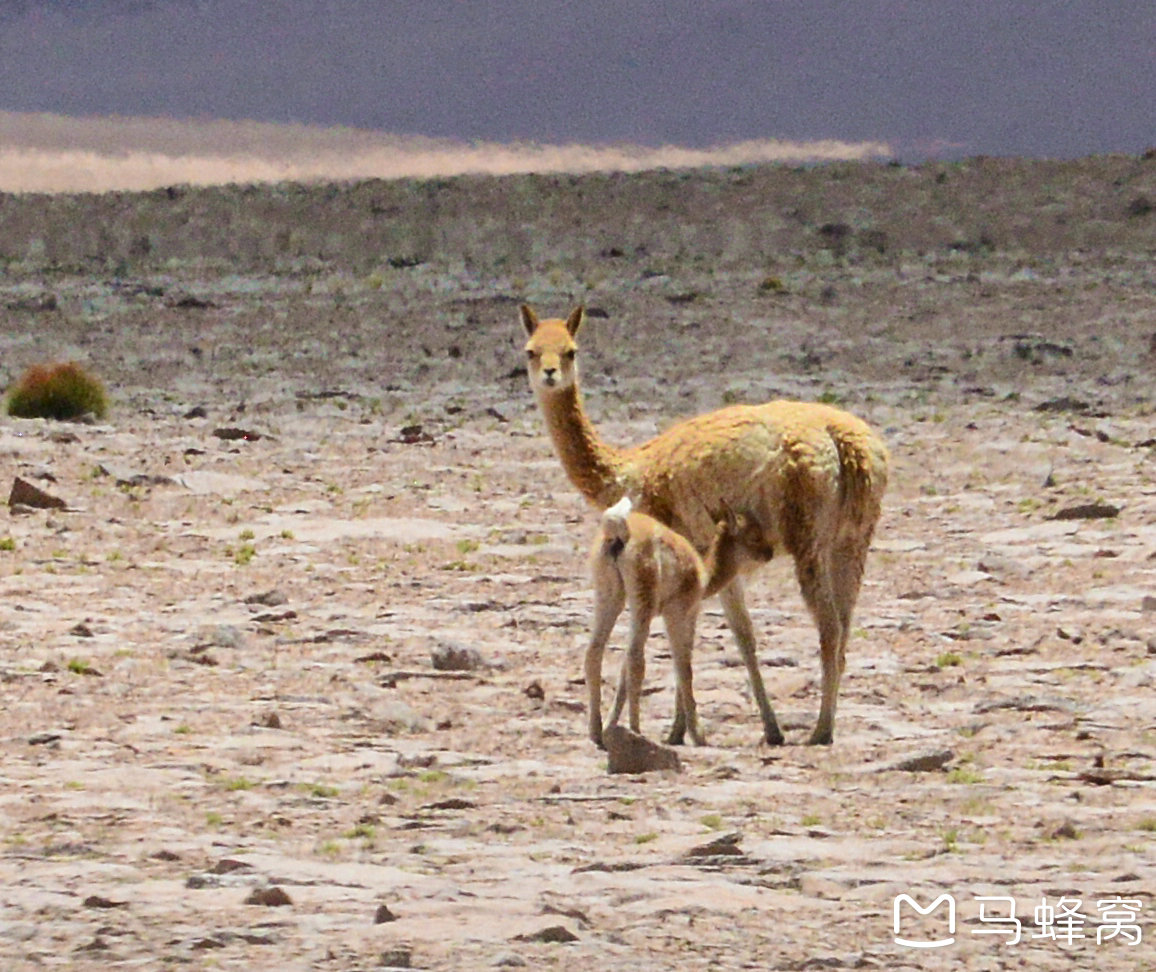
<point>1056,78</point>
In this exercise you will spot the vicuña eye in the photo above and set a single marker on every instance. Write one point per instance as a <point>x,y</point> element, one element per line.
<point>570,354</point>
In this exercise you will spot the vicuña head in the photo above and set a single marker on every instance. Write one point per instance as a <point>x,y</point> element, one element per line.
<point>810,477</point>
<point>552,352</point>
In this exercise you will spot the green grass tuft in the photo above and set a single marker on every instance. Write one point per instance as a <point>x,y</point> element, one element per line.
<point>61,391</point>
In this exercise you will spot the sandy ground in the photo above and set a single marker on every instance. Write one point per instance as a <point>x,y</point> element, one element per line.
<point>217,661</point>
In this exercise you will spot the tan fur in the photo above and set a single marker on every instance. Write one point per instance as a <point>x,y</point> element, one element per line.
<point>810,475</point>
<point>636,560</point>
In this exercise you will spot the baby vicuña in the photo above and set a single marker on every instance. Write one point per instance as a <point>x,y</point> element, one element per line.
<point>637,561</point>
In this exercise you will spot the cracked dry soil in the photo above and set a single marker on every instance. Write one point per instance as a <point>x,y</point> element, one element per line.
<point>225,741</point>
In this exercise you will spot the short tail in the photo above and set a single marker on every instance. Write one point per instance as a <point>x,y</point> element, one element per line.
<point>615,529</point>
<point>863,465</point>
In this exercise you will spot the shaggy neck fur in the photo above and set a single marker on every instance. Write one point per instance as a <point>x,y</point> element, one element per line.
<point>595,467</point>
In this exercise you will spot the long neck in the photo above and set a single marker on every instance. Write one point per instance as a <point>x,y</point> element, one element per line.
<point>595,467</point>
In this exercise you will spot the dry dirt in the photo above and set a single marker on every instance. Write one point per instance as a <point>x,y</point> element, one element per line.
<point>217,661</point>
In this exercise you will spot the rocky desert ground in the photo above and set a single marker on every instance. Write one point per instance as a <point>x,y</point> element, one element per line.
<point>293,679</point>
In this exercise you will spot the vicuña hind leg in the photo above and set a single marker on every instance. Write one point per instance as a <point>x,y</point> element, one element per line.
<point>609,599</point>
<point>735,608</point>
<point>680,625</point>
<point>633,670</point>
<point>815,581</point>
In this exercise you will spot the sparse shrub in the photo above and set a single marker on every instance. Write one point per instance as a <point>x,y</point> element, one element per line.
<point>60,391</point>
<point>1140,206</point>
<point>874,239</point>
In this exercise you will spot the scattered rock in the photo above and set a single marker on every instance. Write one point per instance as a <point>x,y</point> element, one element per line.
<point>227,865</point>
<point>234,434</point>
<point>374,656</point>
<point>414,435</point>
<point>855,960</point>
<point>1087,511</point>
<point>81,630</point>
<point>1025,703</point>
<point>554,935</point>
<point>1106,776</point>
<point>270,720</point>
<point>273,617</point>
<point>383,915</point>
<point>23,493</point>
<point>922,762</point>
<point>1065,403</point>
<point>448,656</point>
<point>628,752</point>
<point>220,636</point>
<point>188,302</point>
<point>1064,831</point>
<point>198,656</point>
<point>398,957</point>
<point>96,901</point>
<point>725,845</point>
<point>534,691</point>
<point>271,897</point>
<point>270,598</point>
<point>44,739</point>
<point>33,303</point>
<point>122,477</point>
<point>453,803</point>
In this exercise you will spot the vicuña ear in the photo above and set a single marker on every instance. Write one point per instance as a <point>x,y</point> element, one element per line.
<point>574,321</point>
<point>529,319</point>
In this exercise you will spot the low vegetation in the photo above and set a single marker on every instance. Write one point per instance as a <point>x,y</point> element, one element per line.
<point>60,391</point>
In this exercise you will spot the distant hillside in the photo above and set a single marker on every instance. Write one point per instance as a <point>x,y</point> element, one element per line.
<point>851,212</point>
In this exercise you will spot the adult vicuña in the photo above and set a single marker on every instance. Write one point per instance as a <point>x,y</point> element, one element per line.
<point>636,560</point>
<point>811,476</point>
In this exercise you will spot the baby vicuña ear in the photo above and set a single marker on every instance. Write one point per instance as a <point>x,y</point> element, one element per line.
<point>529,319</point>
<point>574,321</point>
